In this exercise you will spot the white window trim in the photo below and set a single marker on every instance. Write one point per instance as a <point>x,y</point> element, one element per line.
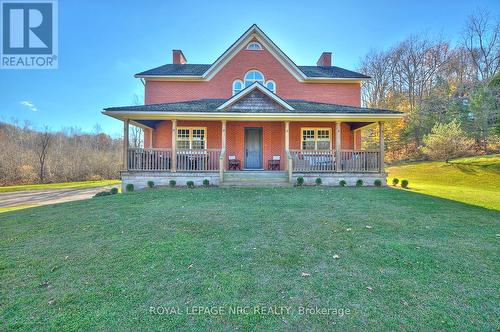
<point>254,49</point>
<point>254,70</point>
<point>191,136</point>
<point>315,136</point>
<point>274,83</point>
<point>242,86</point>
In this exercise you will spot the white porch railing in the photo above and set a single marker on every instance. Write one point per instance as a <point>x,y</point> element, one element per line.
<point>360,160</point>
<point>212,160</point>
<point>326,161</point>
<point>154,159</point>
<point>313,160</point>
<point>206,160</point>
<point>149,159</point>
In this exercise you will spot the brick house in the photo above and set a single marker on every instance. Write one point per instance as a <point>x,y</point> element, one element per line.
<point>253,117</point>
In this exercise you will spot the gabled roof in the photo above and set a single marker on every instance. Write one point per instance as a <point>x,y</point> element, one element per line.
<point>331,72</point>
<point>246,91</point>
<point>197,70</point>
<point>206,71</point>
<point>187,69</point>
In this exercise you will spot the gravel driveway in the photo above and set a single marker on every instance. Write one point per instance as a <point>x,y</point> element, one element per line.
<point>48,196</point>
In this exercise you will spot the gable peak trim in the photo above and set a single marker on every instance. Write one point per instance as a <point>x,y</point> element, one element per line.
<point>254,32</point>
<point>255,86</point>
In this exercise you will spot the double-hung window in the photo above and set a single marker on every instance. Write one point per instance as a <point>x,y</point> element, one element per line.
<point>316,139</point>
<point>191,138</point>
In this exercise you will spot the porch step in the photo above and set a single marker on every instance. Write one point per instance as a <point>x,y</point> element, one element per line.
<point>255,179</point>
<point>255,185</point>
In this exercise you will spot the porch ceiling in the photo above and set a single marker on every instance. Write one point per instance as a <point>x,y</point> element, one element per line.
<point>148,123</point>
<point>353,125</point>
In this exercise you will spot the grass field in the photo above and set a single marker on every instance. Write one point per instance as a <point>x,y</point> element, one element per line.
<point>387,259</point>
<point>473,180</point>
<point>62,185</point>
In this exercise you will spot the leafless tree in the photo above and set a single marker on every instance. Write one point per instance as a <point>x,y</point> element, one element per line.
<point>136,137</point>
<point>417,63</point>
<point>136,134</point>
<point>481,37</point>
<point>72,155</point>
<point>42,146</point>
<point>377,65</point>
<point>435,83</point>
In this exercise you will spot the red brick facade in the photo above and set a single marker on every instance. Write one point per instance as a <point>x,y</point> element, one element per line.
<point>273,133</point>
<point>220,86</point>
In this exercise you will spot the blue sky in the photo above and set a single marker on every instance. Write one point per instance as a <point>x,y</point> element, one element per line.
<point>103,43</point>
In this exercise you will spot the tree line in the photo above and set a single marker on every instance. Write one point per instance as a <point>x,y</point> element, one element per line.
<point>39,156</point>
<point>441,87</point>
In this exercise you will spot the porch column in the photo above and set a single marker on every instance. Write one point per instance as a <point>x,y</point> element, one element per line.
<point>222,151</point>
<point>338,145</point>
<point>223,135</point>
<point>125,144</point>
<point>173,166</point>
<point>150,138</point>
<point>355,139</point>
<point>287,143</point>
<point>382,145</point>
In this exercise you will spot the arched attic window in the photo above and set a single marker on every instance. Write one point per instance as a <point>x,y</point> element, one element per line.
<point>254,46</point>
<point>271,86</point>
<point>253,76</point>
<point>237,86</point>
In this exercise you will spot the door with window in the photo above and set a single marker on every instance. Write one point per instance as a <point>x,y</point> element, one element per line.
<point>253,148</point>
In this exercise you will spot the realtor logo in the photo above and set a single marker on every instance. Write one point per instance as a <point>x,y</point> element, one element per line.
<point>29,34</point>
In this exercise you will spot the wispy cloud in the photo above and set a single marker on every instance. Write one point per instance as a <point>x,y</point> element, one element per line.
<point>29,105</point>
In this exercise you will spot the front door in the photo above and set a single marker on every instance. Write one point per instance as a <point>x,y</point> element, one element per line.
<point>253,148</point>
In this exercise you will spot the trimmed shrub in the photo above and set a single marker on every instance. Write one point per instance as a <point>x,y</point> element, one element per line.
<point>300,181</point>
<point>318,181</point>
<point>206,183</point>
<point>190,184</point>
<point>129,187</point>
<point>172,183</point>
<point>114,191</point>
<point>151,184</point>
<point>395,182</point>
<point>404,183</point>
<point>377,183</point>
<point>359,183</point>
<point>102,193</point>
<point>342,183</point>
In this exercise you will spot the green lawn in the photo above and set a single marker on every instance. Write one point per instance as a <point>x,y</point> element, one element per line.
<point>405,261</point>
<point>473,180</point>
<point>62,185</point>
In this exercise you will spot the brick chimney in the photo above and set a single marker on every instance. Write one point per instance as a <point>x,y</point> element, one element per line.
<point>325,60</point>
<point>178,57</point>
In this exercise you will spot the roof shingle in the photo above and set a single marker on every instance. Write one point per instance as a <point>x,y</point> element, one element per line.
<point>210,105</point>
<point>199,69</point>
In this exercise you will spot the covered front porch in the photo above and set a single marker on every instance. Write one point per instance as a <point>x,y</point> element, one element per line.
<point>255,133</point>
<point>194,150</point>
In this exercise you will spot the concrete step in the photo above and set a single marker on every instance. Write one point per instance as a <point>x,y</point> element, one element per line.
<point>227,178</point>
<point>255,185</point>
<point>255,179</point>
<point>252,174</point>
